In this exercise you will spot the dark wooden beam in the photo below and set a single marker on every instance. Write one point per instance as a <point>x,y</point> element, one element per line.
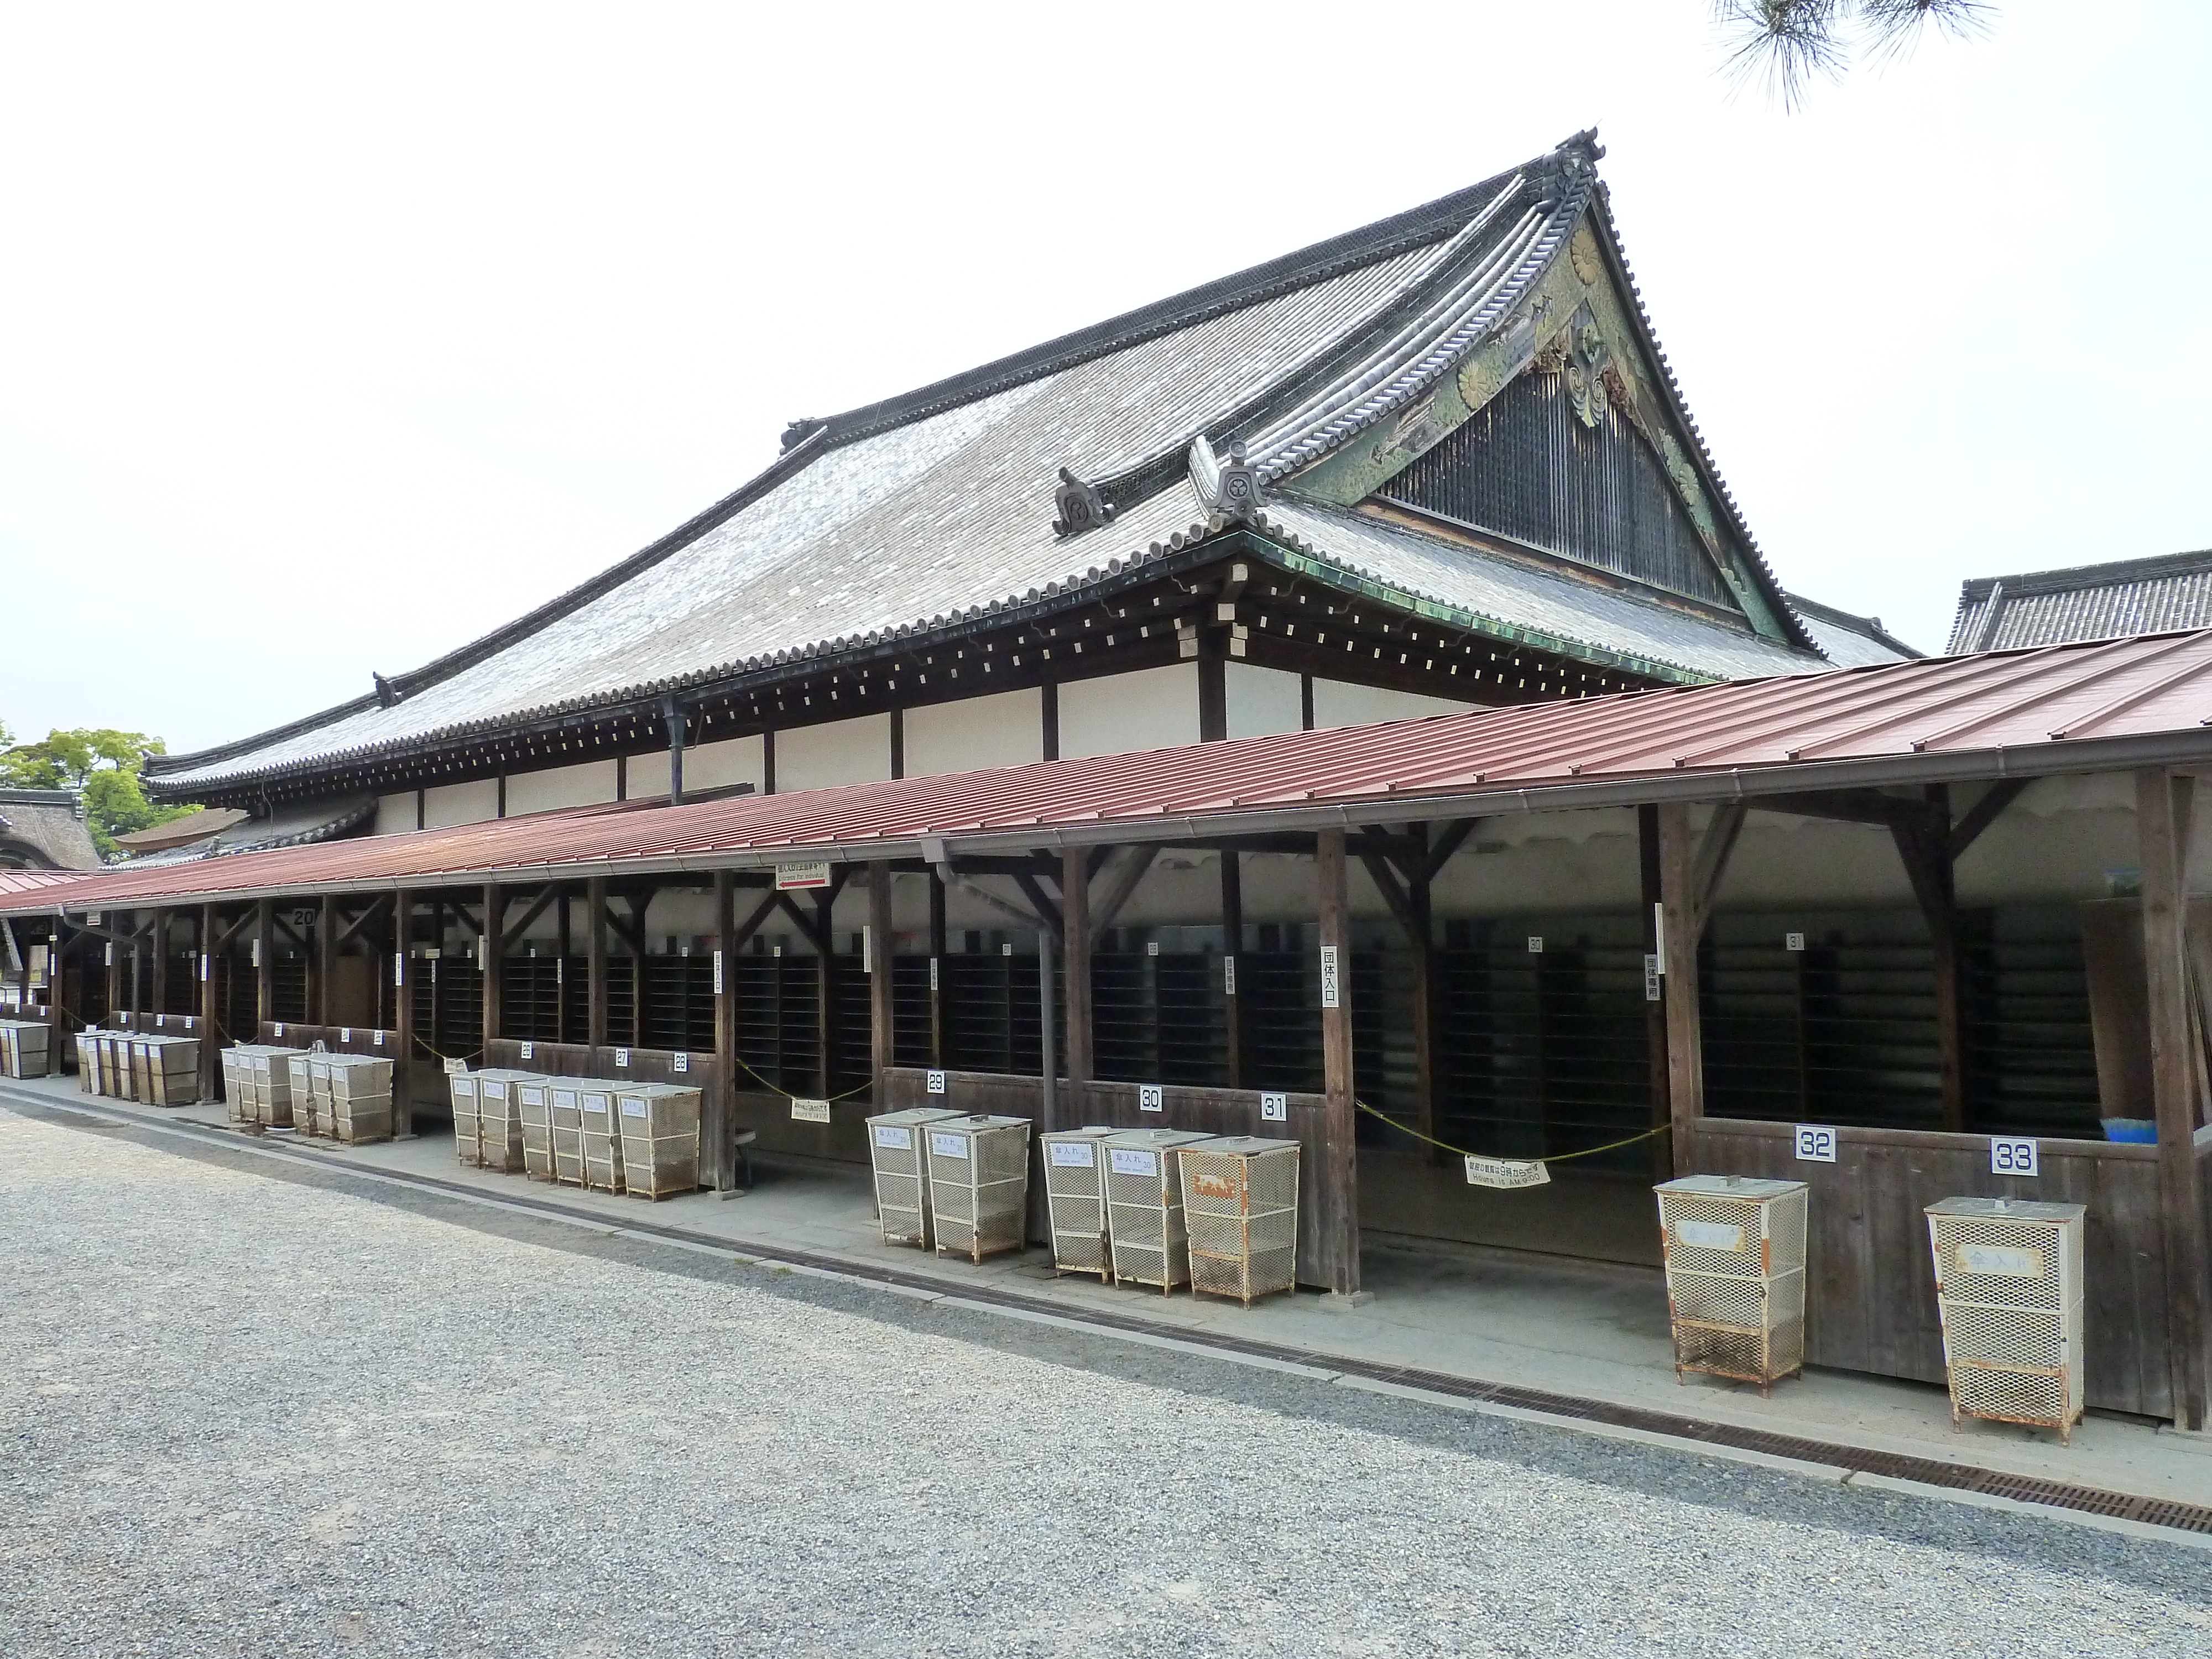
<point>1686,1061</point>
<point>1452,838</point>
<point>718,1127</point>
<point>159,996</point>
<point>1718,842</point>
<point>1075,952</point>
<point>492,960</point>
<point>882,1004</point>
<point>1135,862</point>
<point>1925,854</point>
<point>1232,942</point>
<point>1337,1179</point>
<point>1047,911</point>
<point>1849,806</point>
<point>937,945</point>
<point>1984,812</point>
<point>595,961</point>
<point>210,1024</point>
<point>825,999</point>
<point>511,934</point>
<point>1664,1163</point>
<point>2164,807</point>
<point>368,918</point>
<point>264,973</point>
<point>320,1010</point>
<point>399,974</point>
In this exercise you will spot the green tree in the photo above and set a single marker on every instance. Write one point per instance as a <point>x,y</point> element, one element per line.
<point>101,764</point>
<point>1785,44</point>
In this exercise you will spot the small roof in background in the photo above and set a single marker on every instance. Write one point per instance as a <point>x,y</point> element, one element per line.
<point>44,830</point>
<point>181,832</point>
<point>1849,640</point>
<point>2084,602</point>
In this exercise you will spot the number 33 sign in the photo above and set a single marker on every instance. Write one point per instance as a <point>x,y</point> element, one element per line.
<point>2012,1157</point>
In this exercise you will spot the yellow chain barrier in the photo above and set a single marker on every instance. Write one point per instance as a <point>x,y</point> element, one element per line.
<point>1555,1158</point>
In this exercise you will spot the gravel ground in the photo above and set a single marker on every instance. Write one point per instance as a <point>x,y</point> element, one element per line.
<point>250,1410</point>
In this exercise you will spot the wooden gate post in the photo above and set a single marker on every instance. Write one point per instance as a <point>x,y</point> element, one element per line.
<point>1075,960</point>
<point>1681,922</point>
<point>158,993</point>
<point>210,1036</point>
<point>1336,1182</point>
<point>2162,821</point>
<point>326,963</point>
<point>1232,941</point>
<point>721,1127</point>
<point>264,971</point>
<point>493,965</point>
<point>400,974</point>
<point>882,1006</point>
<point>595,961</point>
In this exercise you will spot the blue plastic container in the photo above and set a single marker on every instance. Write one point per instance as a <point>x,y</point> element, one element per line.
<point>2135,1131</point>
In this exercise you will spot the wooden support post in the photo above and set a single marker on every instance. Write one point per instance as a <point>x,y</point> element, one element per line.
<point>158,996</point>
<point>1212,684</point>
<point>141,951</point>
<point>561,950</point>
<point>1336,1180</point>
<point>881,1005</point>
<point>210,1015</point>
<point>825,999</point>
<point>595,961</point>
<point>264,971</point>
<point>111,968</point>
<point>1232,942</point>
<point>1680,925</point>
<point>1925,848</point>
<point>492,960</point>
<point>719,1130</point>
<point>1655,1008</point>
<point>325,1009</point>
<point>937,943</point>
<point>1423,935</point>
<point>399,975</point>
<point>2163,806</point>
<point>1075,952</point>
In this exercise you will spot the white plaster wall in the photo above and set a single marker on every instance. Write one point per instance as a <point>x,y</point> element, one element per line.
<point>1004,729</point>
<point>645,777</point>
<point>584,785</point>
<point>719,765</point>
<point>1263,701</point>
<point>450,804</point>
<point>842,751</point>
<point>1338,702</point>
<point>395,813</point>
<point>1151,709</point>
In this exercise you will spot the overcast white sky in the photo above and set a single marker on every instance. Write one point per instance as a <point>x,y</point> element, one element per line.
<point>330,339</point>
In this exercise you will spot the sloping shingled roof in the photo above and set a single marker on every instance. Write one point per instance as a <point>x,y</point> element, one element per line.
<point>2069,709</point>
<point>2084,602</point>
<point>45,827</point>
<point>903,515</point>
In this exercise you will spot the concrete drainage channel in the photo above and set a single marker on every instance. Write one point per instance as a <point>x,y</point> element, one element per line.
<point>1851,1463</point>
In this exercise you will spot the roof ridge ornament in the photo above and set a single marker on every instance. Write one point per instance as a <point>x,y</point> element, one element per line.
<point>1081,507</point>
<point>1230,489</point>
<point>386,692</point>
<point>1572,166</point>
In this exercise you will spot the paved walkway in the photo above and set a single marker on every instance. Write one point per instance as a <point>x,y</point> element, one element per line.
<point>263,1406</point>
<point>1592,1330</point>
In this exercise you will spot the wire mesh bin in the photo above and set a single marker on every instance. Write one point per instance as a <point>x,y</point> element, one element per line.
<point>660,1138</point>
<point>26,1048</point>
<point>567,1106</point>
<point>1240,1209</point>
<point>1735,1275</point>
<point>1075,1200</point>
<point>534,1107</point>
<point>356,1092</point>
<point>901,1171</point>
<point>600,1133</point>
<point>1144,1204</point>
<point>111,1063</point>
<point>979,1184</point>
<point>2009,1281</point>
<point>310,1116</point>
<point>167,1069</point>
<point>499,1119</point>
<point>461,1087</point>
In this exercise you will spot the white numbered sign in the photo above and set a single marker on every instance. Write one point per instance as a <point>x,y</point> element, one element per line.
<point>1128,1160</point>
<point>1274,1109</point>
<point>1816,1144</point>
<point>527,1049</point>
<point>1074,1154</point>
<point>949,1145</point>
<point>622,1057</point>
<point>680,1063</point>
<point>2008,1156</point>
<point>936,1082</point>
<point>1535,944</point>
<point>1148,1097</point>
<point>887,1135</point>
<point>1793,941</point>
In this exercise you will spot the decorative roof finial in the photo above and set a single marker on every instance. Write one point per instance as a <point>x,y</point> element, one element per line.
<point>800,430</point>
<point>1081,507</point>
<point>1238,493</point>
<point>387,693</point>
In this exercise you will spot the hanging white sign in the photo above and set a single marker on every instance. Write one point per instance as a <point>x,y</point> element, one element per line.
<point>457,1068</point>
<point>718,973</point>
<point>817,1111</point>
<point>1229,976</point>
<point>796,877</point>
<point>1651,977</point>
<point>1505,1172</point>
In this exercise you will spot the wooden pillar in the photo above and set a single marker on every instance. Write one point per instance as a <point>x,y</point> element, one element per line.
<point>264,967</point>
<point>720,1129</point>
<point>595,961</point>
<point>1336,1180</point>
<point>1680,924</point>
<point>210,1036</point>
<point>1232,941</point>
<point>936,969</point>
<point>1425,1012</point>
<point>1212,684</point>
<point>492,961</point>
<point>637,914</point>
<point>2162,818</point>
<point>825,1001</point>
<point>882,1051</point>
<point>1655,1008</point>
<point>57,997</point>
<point>1075,951</point>
<point>112,967</point>
<point>324,1010</point>
<point>562,948</point>
<point>399,975</point>
<point>437,1038</point>
<point>158,993</point>
<point>1049,1113</point>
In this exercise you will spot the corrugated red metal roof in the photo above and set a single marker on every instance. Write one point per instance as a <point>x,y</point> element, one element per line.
<point>26,881</point>
<point>2063,709</point>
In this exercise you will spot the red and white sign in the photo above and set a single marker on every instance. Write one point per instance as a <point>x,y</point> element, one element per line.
<point>795,878</point>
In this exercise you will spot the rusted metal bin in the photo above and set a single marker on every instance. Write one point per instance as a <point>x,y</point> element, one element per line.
<point>1240,1208</point>
<point>1735,1275</point>
<point>2009,1279</point>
